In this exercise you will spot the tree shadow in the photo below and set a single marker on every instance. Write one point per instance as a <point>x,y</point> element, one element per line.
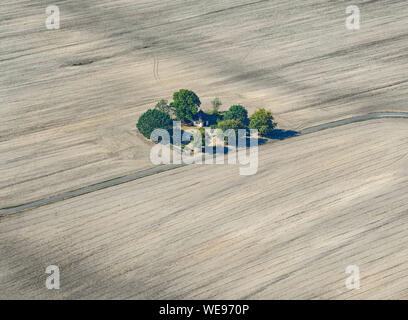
<point>213,150</point>
<point>249,141</point>
<point>280,134</point>
<point>277,134</point>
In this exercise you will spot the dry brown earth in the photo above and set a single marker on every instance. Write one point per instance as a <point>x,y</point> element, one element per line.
<point>319,203</point>
<point>67,123</point>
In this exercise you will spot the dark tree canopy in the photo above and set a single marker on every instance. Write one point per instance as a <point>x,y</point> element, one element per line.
<point>185,104</point>
<point>237,112</point>
<point>263,121</point>
<point>153,119</point>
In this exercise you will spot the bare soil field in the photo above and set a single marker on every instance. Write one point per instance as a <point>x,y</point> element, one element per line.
<point>70,98</point>
<point>319,203</point>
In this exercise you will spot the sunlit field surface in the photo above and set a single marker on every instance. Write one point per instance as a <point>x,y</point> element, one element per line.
<point>69,103</point>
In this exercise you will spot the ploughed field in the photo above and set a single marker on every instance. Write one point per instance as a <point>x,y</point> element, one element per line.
<point>319,203</point>
<point>70,98</point>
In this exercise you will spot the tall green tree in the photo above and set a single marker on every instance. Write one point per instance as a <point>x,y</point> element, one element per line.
<point>263,121</point>
<point>186,104</point>
<point>154,119</point>
<point>237,112</point>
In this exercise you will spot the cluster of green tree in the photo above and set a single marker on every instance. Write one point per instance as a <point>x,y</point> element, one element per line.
<point>185,107</point>
<point>237,118</point>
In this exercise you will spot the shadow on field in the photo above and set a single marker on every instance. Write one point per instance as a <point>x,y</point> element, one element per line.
<point>277,134</point>
<point>280,134</point>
